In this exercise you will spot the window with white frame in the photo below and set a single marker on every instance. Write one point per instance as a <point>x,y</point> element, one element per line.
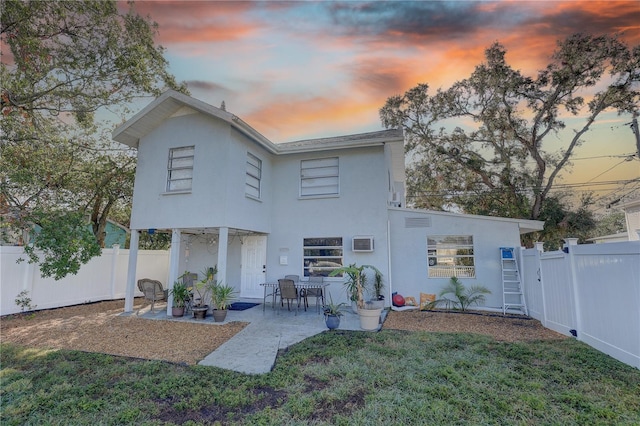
<point>180,169</point>
<point>321,256</point>
<point>254,176</point>
<point>319,177</point>
<point>451,256</point>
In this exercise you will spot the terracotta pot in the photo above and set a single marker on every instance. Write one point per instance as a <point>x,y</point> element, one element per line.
<point>177,312</point>
<point>219,315</point>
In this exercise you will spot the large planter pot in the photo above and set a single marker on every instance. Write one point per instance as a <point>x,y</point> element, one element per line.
<point>376,303</point>
<point>332,321</point>
<point>219,315</point>
<point>177,311</point>
<point>369,318</point>
<point>200,312</point>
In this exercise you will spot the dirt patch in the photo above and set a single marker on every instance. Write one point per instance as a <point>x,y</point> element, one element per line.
<point>97,327</point>
<point>505,328</point>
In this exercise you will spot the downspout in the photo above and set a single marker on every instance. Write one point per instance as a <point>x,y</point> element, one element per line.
<point>389,257</point>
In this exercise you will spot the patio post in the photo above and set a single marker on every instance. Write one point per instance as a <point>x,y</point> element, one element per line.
<point>223,241</point>
<point>131,271</point>
<point>174,264</point>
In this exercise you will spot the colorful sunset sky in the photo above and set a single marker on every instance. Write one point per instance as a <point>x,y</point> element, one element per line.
<point>300,70</point>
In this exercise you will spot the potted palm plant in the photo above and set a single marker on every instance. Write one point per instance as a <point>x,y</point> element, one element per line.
<point>221,297</point>
<point>202,291</point>
<point>369,314</point>
<point>180,294</point>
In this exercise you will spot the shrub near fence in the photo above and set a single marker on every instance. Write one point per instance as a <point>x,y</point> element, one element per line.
<point>103,278</point>
<point>593,290</point>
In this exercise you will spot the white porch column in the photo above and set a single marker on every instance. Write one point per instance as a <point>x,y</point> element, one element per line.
<point>131,271</point>
<point>223,242</point>
<point>174,264</point>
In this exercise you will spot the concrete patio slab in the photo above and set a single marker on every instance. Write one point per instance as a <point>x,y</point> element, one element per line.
<point>254,349</point>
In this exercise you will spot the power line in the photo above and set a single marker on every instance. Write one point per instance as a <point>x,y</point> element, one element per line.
<point>609,169</point>
<point>604,156</point>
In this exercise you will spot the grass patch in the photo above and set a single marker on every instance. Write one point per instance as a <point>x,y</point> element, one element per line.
<point>341,378</point>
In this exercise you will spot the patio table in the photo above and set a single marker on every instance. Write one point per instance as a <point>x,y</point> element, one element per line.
<point>300,285</point>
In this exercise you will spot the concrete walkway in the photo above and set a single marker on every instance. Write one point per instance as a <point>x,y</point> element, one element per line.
<point>255,348</point>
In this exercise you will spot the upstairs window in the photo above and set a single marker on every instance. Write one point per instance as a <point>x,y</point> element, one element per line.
<point>321,256</point>
<point>254,176</point>
<point>319,177</point>
<point>180,169</point>
<point>451,256</point>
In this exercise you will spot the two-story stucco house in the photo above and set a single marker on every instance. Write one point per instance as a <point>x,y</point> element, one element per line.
<point>261,210</point>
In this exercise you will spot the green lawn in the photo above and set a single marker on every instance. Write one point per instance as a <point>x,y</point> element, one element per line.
<point>342,378</point>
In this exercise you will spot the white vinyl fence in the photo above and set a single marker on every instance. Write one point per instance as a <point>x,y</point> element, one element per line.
<point>593,291</point>
<point>103,278</point>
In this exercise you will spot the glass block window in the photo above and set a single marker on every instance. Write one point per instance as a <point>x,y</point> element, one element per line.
<point>254,176</point>
<point>321,256</point>
<point>180,169</point>
<point>451,256</point>
<point>319,177</point>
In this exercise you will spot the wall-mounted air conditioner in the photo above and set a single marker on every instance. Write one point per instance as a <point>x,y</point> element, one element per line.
<point>362,244</point>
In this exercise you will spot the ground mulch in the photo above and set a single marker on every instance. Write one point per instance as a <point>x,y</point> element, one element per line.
<point>97,327</point>
<point>509,328</point>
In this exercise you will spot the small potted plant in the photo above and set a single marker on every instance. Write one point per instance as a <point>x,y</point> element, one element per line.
<point>202,291</point>
<point>180,294</point>
<point>332,314</point>
<point>378,285</point>
<point>221,297</point>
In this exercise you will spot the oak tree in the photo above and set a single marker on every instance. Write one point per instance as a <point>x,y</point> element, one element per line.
<point>488,145</point>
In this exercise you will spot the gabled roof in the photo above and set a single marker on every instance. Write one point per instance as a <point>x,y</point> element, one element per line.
<point>171,102</point>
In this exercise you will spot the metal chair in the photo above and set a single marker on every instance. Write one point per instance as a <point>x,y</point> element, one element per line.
<point>289,292</point>
<point>317,292</point>
<point>152,290</point>
<point>188,280</point>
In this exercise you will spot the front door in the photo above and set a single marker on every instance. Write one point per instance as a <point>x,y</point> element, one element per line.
<point>254,261</point>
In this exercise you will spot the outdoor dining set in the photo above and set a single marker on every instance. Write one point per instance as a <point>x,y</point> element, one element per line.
<point>294,291</point>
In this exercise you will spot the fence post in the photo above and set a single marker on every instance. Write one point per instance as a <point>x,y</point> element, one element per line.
<point>539,246</point>
<point>571,243</point>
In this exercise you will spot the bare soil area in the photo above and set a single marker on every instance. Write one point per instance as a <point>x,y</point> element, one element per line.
<point>510,328</point>
<point>97,327</point>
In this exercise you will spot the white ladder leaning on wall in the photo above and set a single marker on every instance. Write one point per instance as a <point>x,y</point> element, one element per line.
<point>512,291</point>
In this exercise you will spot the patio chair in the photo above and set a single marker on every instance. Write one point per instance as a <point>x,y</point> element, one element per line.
<point>289,292</point>
<point>276,290</point>
<point>152,290</point>
<point>317,292</point>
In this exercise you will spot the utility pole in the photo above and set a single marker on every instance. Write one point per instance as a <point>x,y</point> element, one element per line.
<point>636,131</point>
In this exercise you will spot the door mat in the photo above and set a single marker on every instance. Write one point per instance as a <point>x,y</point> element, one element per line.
<point>241,306</point>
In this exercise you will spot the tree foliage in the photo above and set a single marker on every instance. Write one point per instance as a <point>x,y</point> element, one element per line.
<point>69,69</point>
<point>489,144</point>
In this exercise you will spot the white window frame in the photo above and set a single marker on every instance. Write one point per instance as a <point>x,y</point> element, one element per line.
<point>320,177</point>
<point>446,256</point>
<point>321,263</point>
<point>180,163</point>
<point>253,180</point>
